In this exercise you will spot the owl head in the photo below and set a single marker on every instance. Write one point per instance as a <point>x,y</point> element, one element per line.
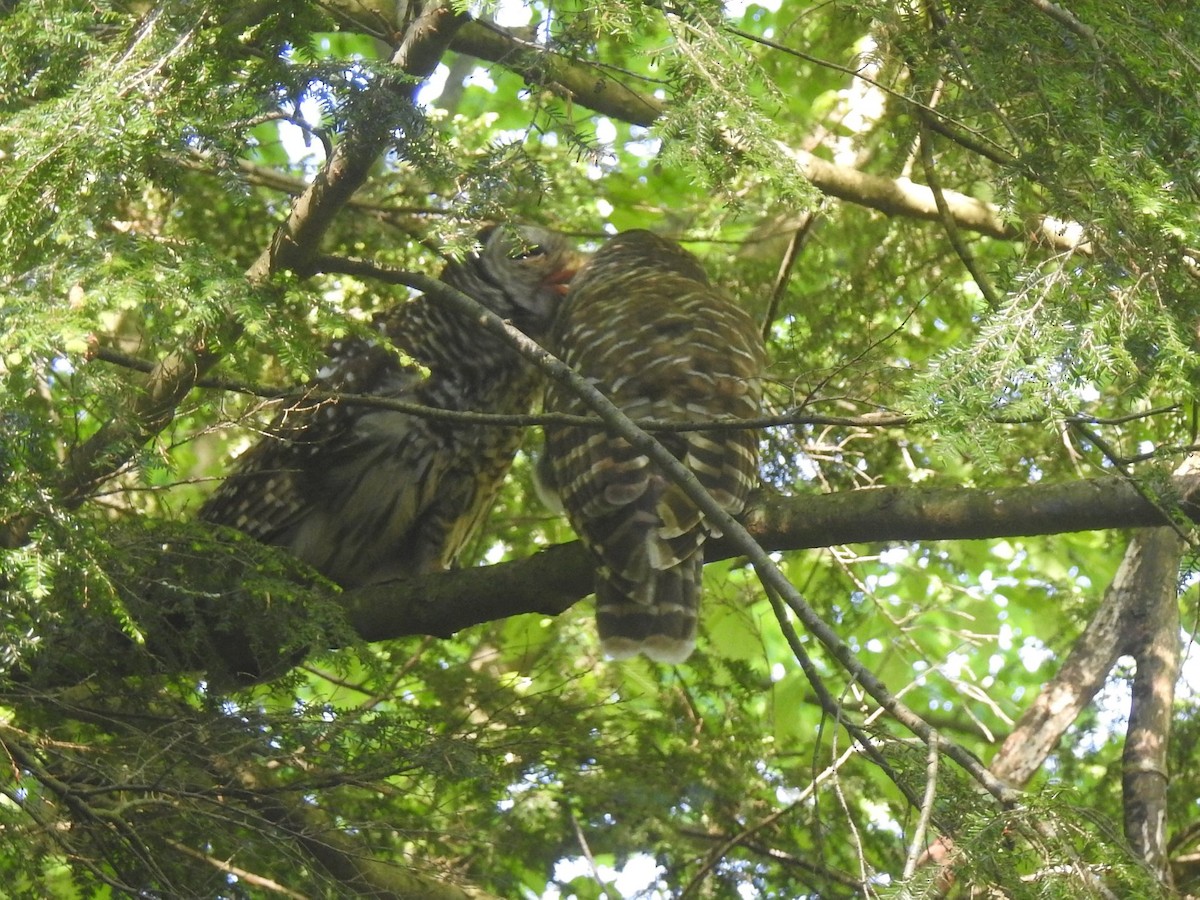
<point>639,251</point>
<point>519,272</point>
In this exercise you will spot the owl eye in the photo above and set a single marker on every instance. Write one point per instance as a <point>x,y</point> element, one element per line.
<point>527,253</point>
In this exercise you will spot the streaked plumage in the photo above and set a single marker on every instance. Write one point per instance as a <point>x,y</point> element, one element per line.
<point>642,322</point>
<point>364,494</point>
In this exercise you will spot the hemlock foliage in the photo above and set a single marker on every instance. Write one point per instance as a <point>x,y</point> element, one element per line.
<point>971,231</point>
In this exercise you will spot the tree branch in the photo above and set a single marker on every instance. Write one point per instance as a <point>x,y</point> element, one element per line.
<point>332,847</point>
<point>314,396</point>
<point>961,249</point>
<point>901,197</point>
<point>1140,615</point>
<point>581,83</point>
<point>595,89</point>
<point>553,580</point>
<point>1152,625</point>
<point>1086,667</point>
<point>294,243</point>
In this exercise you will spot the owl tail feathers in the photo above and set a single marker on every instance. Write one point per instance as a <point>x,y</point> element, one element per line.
<point>663,627</point>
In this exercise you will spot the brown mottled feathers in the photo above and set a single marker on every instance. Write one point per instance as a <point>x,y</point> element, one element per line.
<point>642,322</point>
<point>365,494</point>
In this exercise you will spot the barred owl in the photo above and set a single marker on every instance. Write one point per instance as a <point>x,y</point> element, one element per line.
<point>364,494</point>
<point>643,324</point>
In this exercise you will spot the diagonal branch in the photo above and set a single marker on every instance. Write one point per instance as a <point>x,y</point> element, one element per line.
<point>1152,626</point>
<point>1139,615</point>
<point>581,83</point>
<point>295,242</point>
<point>773,580</point>
<point>590,86</point>
<point>1087,666</point>
<point>939,197</point>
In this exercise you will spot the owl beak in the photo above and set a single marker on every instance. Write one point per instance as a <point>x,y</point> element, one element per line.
<point>560,280</point>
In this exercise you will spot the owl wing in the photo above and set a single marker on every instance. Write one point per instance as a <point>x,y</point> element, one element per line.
<point>664,345</point>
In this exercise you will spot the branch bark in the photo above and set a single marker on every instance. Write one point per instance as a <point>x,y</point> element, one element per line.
<point>1139,615</point>
<point>1152,625</point>
<point>580,83</point>
<point>1151,562</point>
<point>592,87</point>
<point>295,242</point>
<point>902,197</point>
<point>553,580</point>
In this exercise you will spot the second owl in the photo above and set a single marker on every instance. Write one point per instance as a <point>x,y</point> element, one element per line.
<point>643,324</point>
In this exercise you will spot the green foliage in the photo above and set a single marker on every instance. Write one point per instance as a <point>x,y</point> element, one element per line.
<point>156,745</point>
<point>122,96</point>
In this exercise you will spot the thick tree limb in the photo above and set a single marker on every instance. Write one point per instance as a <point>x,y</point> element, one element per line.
<point>590,86</point>
<point>1151,562</point>
<point>1139,615</point>
<point>1152,636</point>
<point>584,84</point>
<point>553,580</point>
<point>296,240</point>
<point>294,243</point>
<point>901,197</point>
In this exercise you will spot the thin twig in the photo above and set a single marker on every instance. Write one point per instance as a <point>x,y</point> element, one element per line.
<point>952,234</point>
<point>1111,455</point>
<point>769,574</point>
<point>916,848</point>
<point>585,848</point>
<point>798,239</point>
<point>1067,20</point>
<point>314,397</point>
<point>742,838</point>
<point>847,70</point>
<point>258,881</point>
<point>826,700</point>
